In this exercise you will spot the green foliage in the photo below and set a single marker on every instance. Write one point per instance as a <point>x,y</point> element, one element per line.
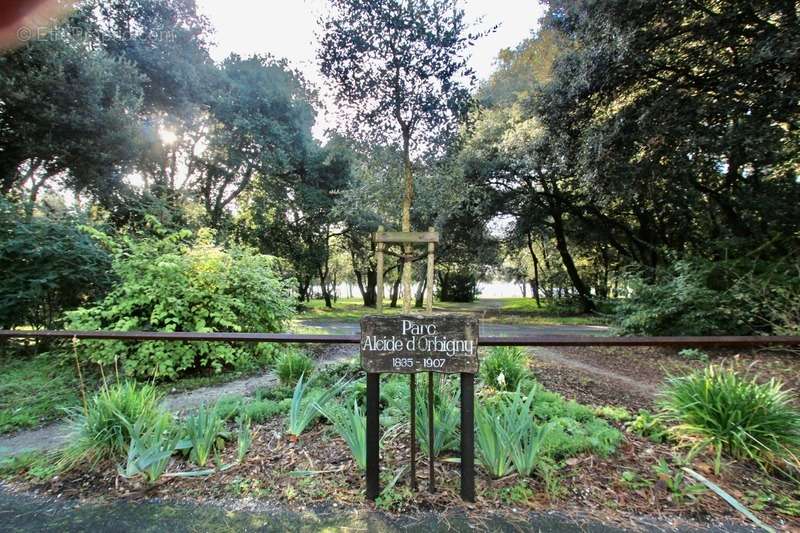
<point>352,427</point>
<point>203,434</point>
<point>649,426</point>
<point>151,446</point>
<point>177,283</point>
<point>35,389</point>
<point>244,438</point>
<point>693,354</point>
<point>614,413</point>
<point>735,415</point>
<point>103,431</point>
<point>490,446</point>
<point>521,435</point>
<point>291,365</point>
<point>676,483</point>
<point>703,297</point>
<point>446,416</point>
<point>504,367</point>
<point>302,410</point>
<point>33,465</point>
<point>81,107</point>
<point>50,266</point>
<point>261,410</point>
<point>458,286</point>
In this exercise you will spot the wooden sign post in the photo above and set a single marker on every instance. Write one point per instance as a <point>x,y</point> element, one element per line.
<point>408,344</point>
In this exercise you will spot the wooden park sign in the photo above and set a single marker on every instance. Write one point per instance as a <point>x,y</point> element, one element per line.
<point>409,344</point>
<point>406,344</point>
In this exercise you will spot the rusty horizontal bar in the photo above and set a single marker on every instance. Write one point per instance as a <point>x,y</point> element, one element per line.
<point>532,340</point>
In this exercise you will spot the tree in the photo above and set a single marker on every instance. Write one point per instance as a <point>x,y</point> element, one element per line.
<point>50,266</point>
<point>294,217</point>
<point>260,127</point>
<point>67,112</point>
<point>397,66</point>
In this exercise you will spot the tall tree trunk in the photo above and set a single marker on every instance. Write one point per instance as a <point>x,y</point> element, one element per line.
<point>419,299</point>
<point>585,298</point>
<point>535,283</point>
<point>396,288</point>
<point>323,284</point>
<point>408,196</point>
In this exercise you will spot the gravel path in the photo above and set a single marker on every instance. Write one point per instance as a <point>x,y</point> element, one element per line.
<point>54,435</point>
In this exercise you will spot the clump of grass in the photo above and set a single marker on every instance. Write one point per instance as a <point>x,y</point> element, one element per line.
<point>204,434</point>
<point>291,365</point>
<point>504,368</point>
<point>102,431</point>
<point>302,410</point>
<point>352,427</point>
<point>735,415</point>
<point>446,418</point>
<point>151,448</point>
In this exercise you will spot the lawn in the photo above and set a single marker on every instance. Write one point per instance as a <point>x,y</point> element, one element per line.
<point>35,390</point>
<point>497,310</point>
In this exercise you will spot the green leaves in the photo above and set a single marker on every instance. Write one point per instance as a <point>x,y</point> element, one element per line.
<point>204,433</point>
<point>735,415</point>
<point>168,285</point>
<point>352,427</point>
<point>303,411</point>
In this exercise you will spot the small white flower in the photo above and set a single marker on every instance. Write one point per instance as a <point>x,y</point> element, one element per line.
<point>501,380</point>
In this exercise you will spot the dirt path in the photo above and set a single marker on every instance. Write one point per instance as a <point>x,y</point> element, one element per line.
<point>560,359</point>
<point>54,435</point>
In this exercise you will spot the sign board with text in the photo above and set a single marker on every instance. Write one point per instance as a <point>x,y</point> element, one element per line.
<point>407,344</point>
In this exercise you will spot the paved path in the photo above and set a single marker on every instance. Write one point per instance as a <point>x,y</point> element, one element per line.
<point>53,436</point>
<point>345,327</point>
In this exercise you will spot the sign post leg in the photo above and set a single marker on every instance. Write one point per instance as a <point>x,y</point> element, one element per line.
<point>373,435</point>
<point>412,387</point>
<point>468,437</point>
<point>431,480</point>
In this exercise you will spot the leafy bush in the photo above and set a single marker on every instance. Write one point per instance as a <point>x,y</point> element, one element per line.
<point>702,297</point>
<point>103,431</point>
<point>460,286</point>
<point>291,365</point>
<point>178,283</point>
<point>49,265</point>
<point>352,427</point>
<point>734,415</point>
<point>504,367</point>
<point>204,433</point>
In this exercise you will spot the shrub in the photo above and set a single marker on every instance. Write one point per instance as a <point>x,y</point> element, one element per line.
<point>179,283</point>
<point>103,431</point>
<point>49,266</point>
<point>701,297</point>
<point>261,410</point>
<point>352,427</point>
<point>291,365</point>
<point>458,286</point>
<point>735,415</point>
<point>504,368</point>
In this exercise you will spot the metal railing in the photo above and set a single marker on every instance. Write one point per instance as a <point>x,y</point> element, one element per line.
<point>305,338</point>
